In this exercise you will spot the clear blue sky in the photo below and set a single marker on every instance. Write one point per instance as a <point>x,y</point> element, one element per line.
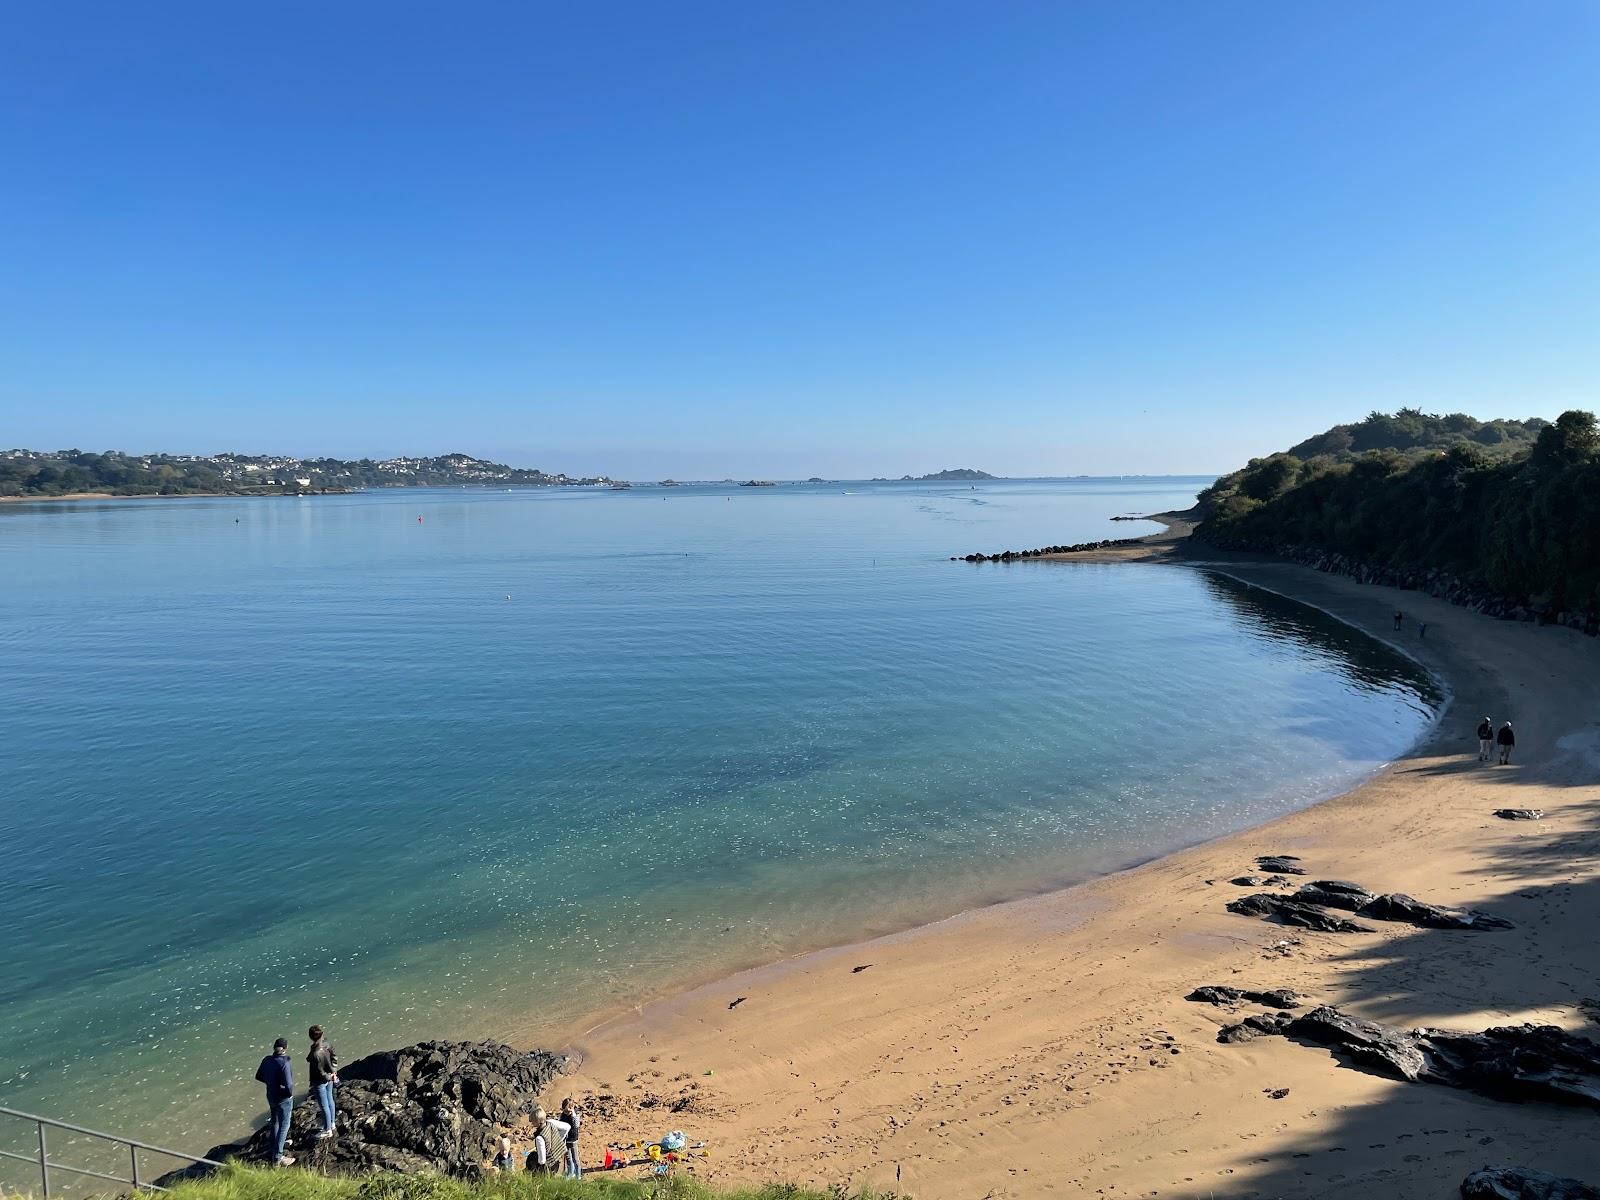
<point>782,239</point>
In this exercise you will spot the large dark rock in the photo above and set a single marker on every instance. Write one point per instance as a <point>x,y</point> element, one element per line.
<point>1381,1049</point>
<point>1289,911</point>
<point>1520,814</point>
<point>435,1106</point>
<point>1280,864</point>
<point>1507,1062</point>
<point>1394,906</point>
<point>1222,994</point>
<point>1258,1025</point>
<point>1521,1183</point>
<point>1335,893</point>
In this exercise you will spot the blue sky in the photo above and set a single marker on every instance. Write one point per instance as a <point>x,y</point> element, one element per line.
<point>747,238</point>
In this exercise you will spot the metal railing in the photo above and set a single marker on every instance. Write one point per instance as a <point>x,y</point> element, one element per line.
<point>43,1161</point>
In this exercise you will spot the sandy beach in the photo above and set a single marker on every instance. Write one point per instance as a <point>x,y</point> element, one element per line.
<point>1045,1045</point>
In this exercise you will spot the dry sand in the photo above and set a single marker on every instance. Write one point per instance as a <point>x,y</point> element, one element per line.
<point>1045,1046</point>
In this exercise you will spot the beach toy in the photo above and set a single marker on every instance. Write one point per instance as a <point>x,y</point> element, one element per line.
<point>655,1153</point>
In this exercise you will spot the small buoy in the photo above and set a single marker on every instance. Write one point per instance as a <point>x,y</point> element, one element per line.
<point>419,520</point>
<point>508,595</point>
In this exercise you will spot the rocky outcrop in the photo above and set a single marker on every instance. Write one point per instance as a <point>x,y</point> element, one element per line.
<point>1258,1025</point>
<point>1280,864</point>
<point>1015,555</point>
<point>435,1106</point>
<point>1453,589</point>
<point>1308,908</point>
<point>1507,1062</point>
<point>1397,906</point>
<point>1394,906</point>
<point>1523,1183</point>
<point>1289,911</point>
<point>1222,994</point>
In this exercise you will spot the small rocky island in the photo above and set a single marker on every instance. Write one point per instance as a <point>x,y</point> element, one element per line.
<point>958,474</point>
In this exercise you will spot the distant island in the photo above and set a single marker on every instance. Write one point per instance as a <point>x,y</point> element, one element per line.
<point>43,474</point>
<point>957,474</point>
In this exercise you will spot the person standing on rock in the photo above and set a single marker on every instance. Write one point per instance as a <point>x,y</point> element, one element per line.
<point>1507,739</point>
<point>549,1151</point>
<point>277,1074</point>
<point>1485,740</point>
<point>324,1064</point>
<point>569,1114</point>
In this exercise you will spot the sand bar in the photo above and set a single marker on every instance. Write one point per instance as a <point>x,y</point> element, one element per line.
<point>1044,1045</point>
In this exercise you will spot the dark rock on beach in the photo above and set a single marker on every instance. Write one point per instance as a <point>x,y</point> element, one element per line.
<point>1259,1025</point>
<point>1393,906</point>
<point>1280,864</point>
<point>1222,994</point>
<point>1520,814</point>
<point>435,1106</point>
<point>1335,893</point>
<point>1396,906</point>
<point>1290,911</point>
<point>1506,1062</point>
<point>1523,1183</point>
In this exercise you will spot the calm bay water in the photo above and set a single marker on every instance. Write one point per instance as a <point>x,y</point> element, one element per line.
<point>274,761</point>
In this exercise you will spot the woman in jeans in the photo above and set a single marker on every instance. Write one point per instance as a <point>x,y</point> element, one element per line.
<point>324,1064</point>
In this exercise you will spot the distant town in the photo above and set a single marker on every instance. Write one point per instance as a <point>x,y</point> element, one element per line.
<point>44,474</point>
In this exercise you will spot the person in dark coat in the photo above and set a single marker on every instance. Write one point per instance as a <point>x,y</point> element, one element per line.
<point>277,1074</point>
<point>1485,740</point>
<point>1506,739</point>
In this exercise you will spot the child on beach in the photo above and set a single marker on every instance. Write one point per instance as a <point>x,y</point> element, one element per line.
<point>502,1156</point>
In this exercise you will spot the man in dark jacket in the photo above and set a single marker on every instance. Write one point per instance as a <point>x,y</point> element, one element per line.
<point>278,1076</point>
<point>324,1064</point>
<point>1507,739</point>
<point>1485,739</point>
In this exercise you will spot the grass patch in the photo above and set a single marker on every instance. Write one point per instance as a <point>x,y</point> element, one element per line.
<point>239,1182</point>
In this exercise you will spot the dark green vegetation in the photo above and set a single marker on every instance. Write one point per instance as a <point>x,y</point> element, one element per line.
<point>258,1183</point>
<point>1511,505</point>
<point>64,472</point>
<point>946,476</point>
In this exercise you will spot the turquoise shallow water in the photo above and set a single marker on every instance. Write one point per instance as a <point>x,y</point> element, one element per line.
<point>271,761</point>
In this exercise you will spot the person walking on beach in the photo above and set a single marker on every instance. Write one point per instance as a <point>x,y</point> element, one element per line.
<point>569,1114</point>
<point>1507,739</point>
<point>1398,617</point>
<point>1485,740</point>
<point>549,1143</point>
<point>324,1064</point>
<point>278,1076</point>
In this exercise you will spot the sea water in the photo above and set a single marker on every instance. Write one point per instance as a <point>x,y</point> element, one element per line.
<point>464,763</point>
